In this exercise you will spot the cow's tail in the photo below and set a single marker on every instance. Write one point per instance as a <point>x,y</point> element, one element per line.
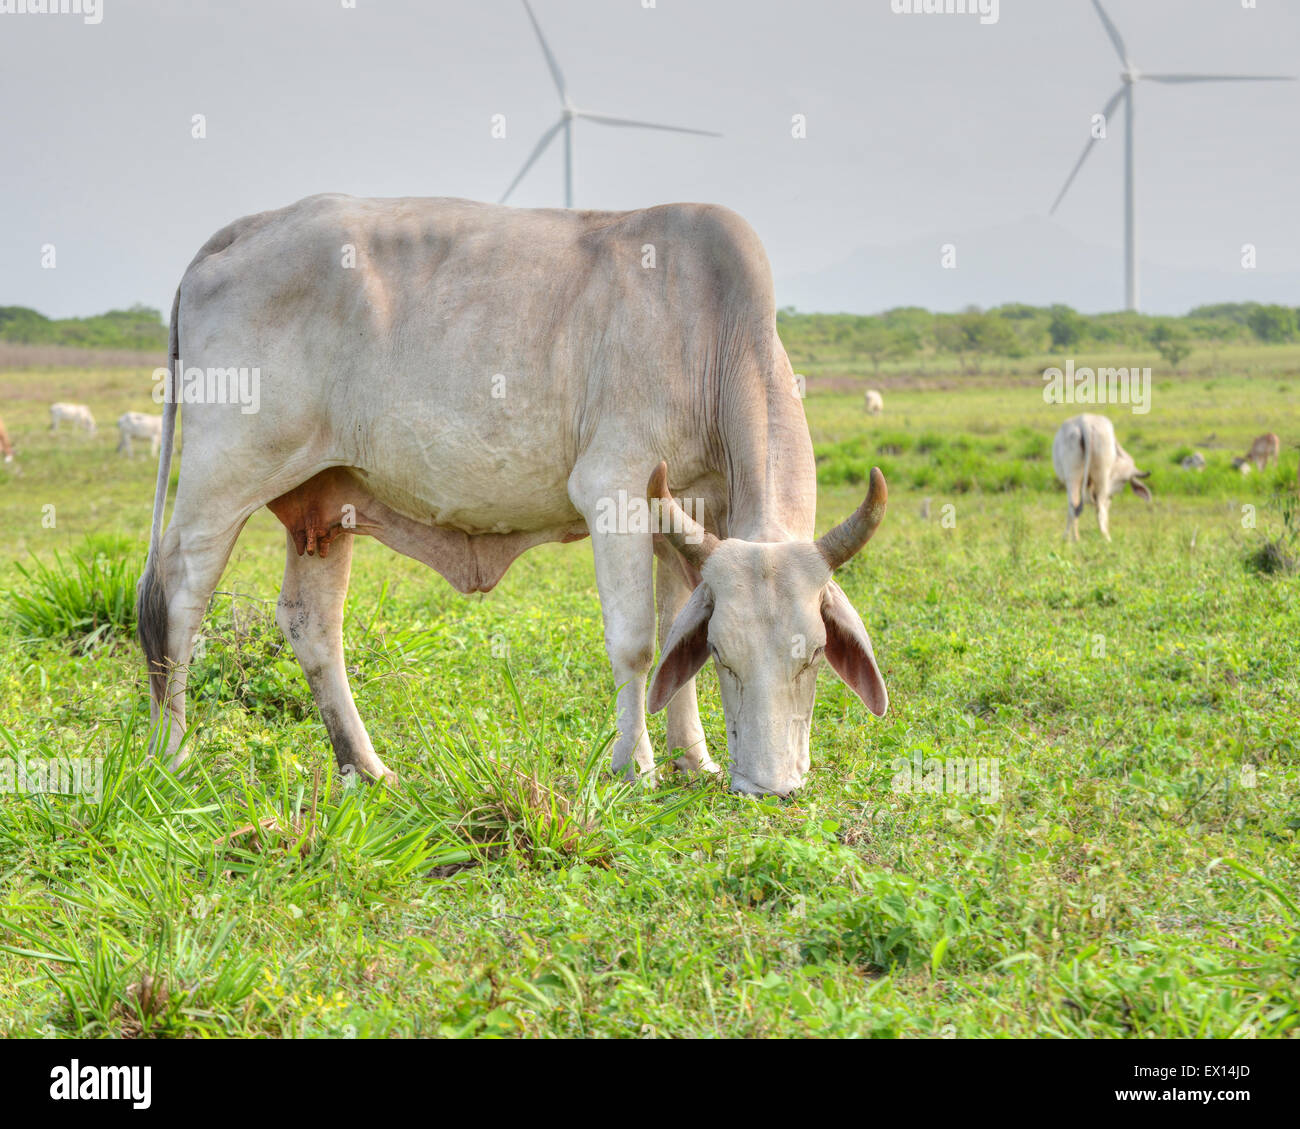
<point>151,595</point>
<point>1076,507</point>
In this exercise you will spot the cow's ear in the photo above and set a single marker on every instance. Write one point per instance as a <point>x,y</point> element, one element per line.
<point>1140,489</point>
<point>686,650</point>
<point>848,650</point>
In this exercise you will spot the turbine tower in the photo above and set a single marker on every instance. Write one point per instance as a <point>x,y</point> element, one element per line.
<point>1130,77</point>
<point>568,114</point>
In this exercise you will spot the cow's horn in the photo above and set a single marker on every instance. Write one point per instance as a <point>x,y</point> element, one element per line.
<point>687,536</point>
<point>841,543</point>
<point>1142,474</point>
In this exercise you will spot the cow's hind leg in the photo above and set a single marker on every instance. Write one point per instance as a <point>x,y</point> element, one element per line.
<point>683,713</point>
<point>1073,508</point>
<point>310,613</point>
<point>173,599</point>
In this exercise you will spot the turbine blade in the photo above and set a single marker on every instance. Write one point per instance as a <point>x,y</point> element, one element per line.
<point>1219,77</point>
<point>1113,32</point>
<point>547,138</point>
<point>605,119</point>
<point>550,59</point>
<point>1121,93</point>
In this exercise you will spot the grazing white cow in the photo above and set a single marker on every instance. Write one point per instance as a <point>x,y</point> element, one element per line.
<point>6,447</point>
<point>1265,447</point>
<point>874,402</point>
<point>1093,467</point>
<point>139,425</point>
<point>77,414</point>
<point>486,379</point>
<point>1194,461</point>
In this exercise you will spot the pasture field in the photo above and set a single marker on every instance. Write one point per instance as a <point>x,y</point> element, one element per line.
<point>1124,865</point>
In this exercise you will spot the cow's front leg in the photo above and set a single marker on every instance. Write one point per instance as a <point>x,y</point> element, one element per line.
<point>685,732</point>
<point>624,579</point>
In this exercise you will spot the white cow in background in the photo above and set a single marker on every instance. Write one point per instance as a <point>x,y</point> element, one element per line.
<point>77,414</point>
<point>138,425</point>
<point>874,402</point>
<point>1093,467</point>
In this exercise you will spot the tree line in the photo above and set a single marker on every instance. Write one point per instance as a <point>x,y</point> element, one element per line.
<point>1013,330</point>
<point>1017,330</point>
<point>138,328</point>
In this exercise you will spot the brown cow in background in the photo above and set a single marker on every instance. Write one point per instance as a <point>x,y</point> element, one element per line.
<point>1266,446</point>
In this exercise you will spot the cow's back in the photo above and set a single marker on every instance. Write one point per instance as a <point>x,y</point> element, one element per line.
<point>464,353</point>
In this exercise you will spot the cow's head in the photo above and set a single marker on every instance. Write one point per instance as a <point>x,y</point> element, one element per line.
<point>1124,472</point>
<point>768,614</point>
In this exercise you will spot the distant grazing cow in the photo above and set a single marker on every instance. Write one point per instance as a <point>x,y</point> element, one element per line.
<point>1266,446</point>
<point>1094,467</point>
<point>138,425</point>
<point>380,416</point>
<point>6,446</point>
<point>875,402</point>
<point>77,414</point>
<point>1194,461</point>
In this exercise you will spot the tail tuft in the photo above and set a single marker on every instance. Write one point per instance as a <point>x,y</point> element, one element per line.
<point>151,627</point>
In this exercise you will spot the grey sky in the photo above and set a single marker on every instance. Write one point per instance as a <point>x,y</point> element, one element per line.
<point>920,127</point>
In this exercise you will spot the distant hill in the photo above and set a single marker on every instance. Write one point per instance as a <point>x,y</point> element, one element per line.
<point>139,328</point>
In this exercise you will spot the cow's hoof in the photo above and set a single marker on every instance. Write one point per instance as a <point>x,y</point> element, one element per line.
<point>351,774</point>
<point>697,762</point>
<point>632,773</point>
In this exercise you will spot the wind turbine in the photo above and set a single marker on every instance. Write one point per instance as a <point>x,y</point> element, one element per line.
<point>1131,76</point>
<point>568,114</point>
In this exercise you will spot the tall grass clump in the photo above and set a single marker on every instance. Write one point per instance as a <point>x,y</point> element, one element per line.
<point>86,600</point>
<point>513,802</point>
<point>1279,555</point>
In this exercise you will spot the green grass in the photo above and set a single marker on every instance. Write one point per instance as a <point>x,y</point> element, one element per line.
<point>85,602</point>
<point>1135,875</point>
